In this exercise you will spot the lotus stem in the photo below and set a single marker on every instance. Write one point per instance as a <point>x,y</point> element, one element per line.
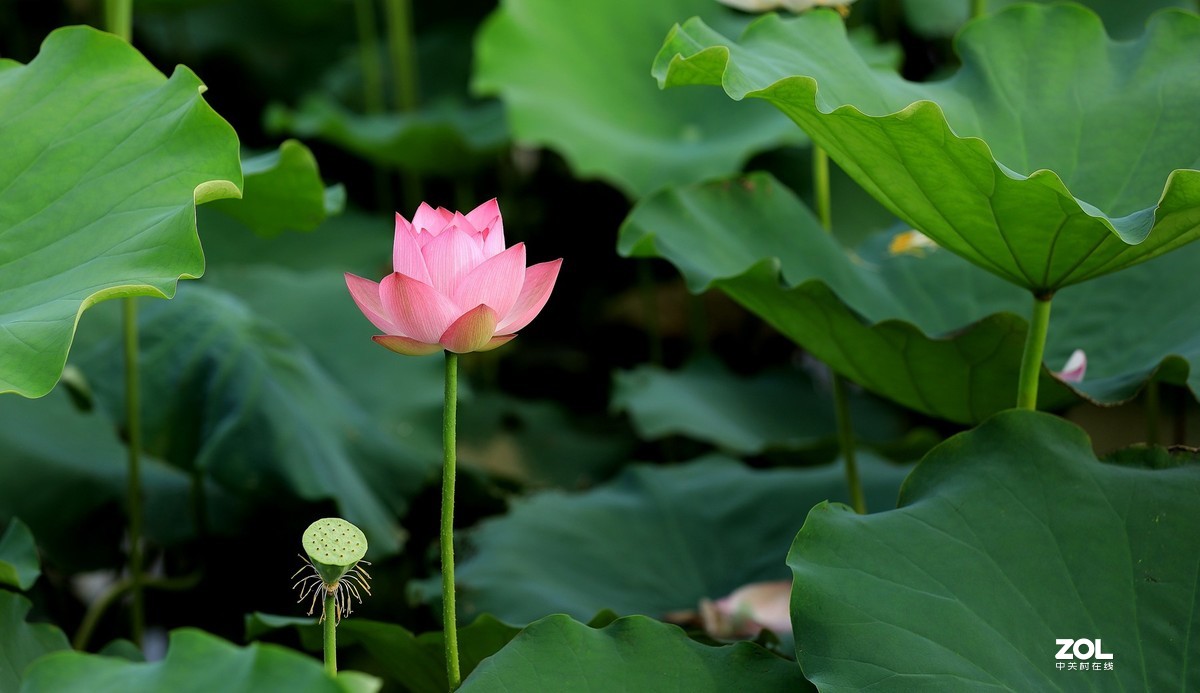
<point>841,402</point>
<point>133,423</point>
<point>330,633</point>
<point>978,8</point>
<point>449,425</point>
<point>368,50</point>
<point>1031,359</point>
<point>647,291</point>
<point>1152,412</point>
<point>118,18</point>
<point>403,54</point>
<point>97,609</point>
<point>821,194</point>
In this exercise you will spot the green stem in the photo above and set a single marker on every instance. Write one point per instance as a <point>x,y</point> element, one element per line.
<point>330,631</point>
<point>1031,360</point>
<point>978,8</point>
<point>133,422</point>
<point>649,296</point>
<point>821,195</point>
<point>368,51</point>
<point>841,402</point>
<point>402,50</point>
<point>449,424</point>
<point>846,442</point>
<point>118,18</point>
<point>403,56</point>
<point>98,608</point>
<point>1152,412</point>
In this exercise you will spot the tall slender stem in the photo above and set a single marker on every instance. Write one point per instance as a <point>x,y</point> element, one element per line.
<point>841,402</point>
<point>118,18</point>
<point>403,54</point>
<point>449,425</point>
<point>330,633</point>
<point>1035,346</point>
<point>858,499</point>
<point>368,53</point>
<point>821,194</point>
<point>133,423</point>
<point>978,8</point>
<point>1152,412</point>
<point>402,50</point>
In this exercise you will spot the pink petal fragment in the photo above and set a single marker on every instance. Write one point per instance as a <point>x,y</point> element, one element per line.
<point>404,345</point>
<point>486,217</point>
<point>539,282</point>
<point>417,309</point>
<point>497,341</point>
<point>496,282</point>
<point>449,258</point>
<point>471,332</point>
<point>482,216</point>
<point>429,219</point>
<point>366,295</point>
<point>1075,368</point>
<point>463,224</point>
<point>406,252</point>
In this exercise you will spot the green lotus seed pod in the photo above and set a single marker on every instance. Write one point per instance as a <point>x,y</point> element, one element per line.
<point>334,546</point>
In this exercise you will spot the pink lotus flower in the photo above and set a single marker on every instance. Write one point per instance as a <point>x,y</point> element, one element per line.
<point>455,286</point>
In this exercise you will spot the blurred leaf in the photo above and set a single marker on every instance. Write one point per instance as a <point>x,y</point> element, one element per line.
<point>568,83</point>
<point>989,163</point>
<point>283,190</point>
<point>196,661</point>
<point>416,662</point>
<point>21,643</point>
<point>774,409</point>
<point>446,139</point>
<point>652,541</point>
<point>64,474</point>
<point>885,319</point>
<point>631,654</point>
<point>534,442</point>
<point>19,563</point>
<point>1007,537</point>
<point>1122,19</point>
<point>123,649</point>
<point>229,393</point>
<point>104,163</point>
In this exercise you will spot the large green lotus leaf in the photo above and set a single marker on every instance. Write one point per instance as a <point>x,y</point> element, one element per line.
<point>283,190</point>
<point>1122,19</point>
<point>1007,538</point>
<point>415,662</point>
<point>19,563</point>
<point>884,318</point>
<point>574,77</point>
<point>630,654</point>
<point>104,162</point>
<point>195,661</point>
<point>885,321</point>
<point>228,392</point>
<point>64,473</point>
<point>776,409</point>
<point>1021,175</point>
<point>21,643</point>
<point>653,540</point>
<point>444,139</point>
